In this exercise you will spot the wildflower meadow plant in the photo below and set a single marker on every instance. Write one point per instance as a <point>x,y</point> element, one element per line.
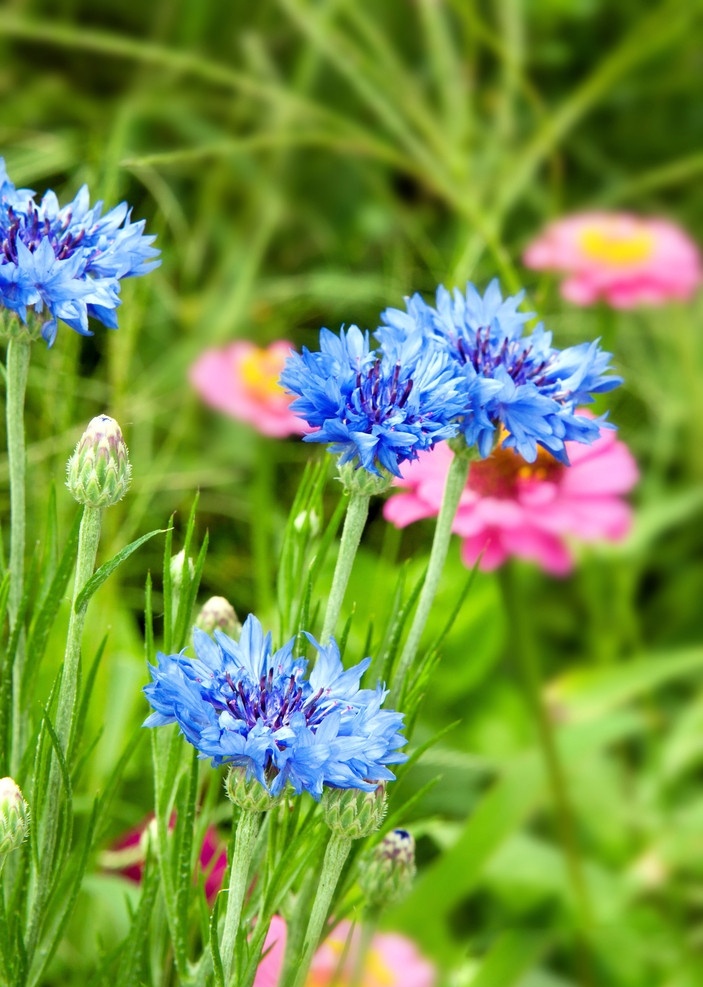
<point>519,390</point>
<point>242,704</point>
<point>306,753</point>
<point>620,258</point>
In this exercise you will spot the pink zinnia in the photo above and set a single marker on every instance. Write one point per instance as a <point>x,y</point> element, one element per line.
<point>626,260</point>
<point>510,507</point>
<point>392,960</point>
<point>242,380</point>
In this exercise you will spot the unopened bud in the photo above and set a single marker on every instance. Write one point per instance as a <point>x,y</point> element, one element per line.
<point>177,565</point>
<point>307,522</point>
<point>387,873</point>
<point>14,816</point>
<point>98,473</point>
<point>354,813</point>
<point>218,614</point>
<point>248,793</point>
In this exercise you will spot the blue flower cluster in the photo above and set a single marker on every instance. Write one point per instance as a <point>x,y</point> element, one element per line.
<point>67,260</point>
<point>241,703</point>
<point>375,409</point>
<point>515,384</point>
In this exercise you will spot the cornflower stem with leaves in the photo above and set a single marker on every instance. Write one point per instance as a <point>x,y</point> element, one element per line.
<point>456,481</point>
<point>241,854</point>
<point>18,354</point>
<point>336,855</point>
<point>354,522</point>
<point>523,647</point>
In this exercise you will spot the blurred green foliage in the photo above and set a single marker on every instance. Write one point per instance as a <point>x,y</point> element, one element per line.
<point>308,163</point>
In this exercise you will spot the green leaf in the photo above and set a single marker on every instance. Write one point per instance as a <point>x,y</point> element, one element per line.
<point>106,570</point>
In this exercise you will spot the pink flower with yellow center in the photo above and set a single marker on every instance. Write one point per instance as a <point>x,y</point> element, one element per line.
<point>624,259</point>
<point>241,380</point>
<point>530,510</point>
<point>392,960</point>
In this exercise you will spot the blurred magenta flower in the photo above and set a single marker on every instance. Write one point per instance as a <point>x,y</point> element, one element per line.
<point>392,960</point>
<point>624,259</point>
<point>510,507</point>
<point>241,380</point>
<point>127,857</point>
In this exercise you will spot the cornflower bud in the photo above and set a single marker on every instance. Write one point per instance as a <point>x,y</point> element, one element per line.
<point>98,473</point>
<point>353,813</point>
<point>14,816</point>
<point>386,874</point>
<point>248,793</point>
<point>217,613</point>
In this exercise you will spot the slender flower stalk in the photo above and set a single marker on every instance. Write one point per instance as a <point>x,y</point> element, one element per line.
<point>241,854</point>
<point>456,481</point>
<point>354,522</point>
<point>336,855</point>
<point>18,354</point>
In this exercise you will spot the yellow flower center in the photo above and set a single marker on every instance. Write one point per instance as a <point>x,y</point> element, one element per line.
<point>617,243</point>
<point>377,973</point>
<point>260,370</point>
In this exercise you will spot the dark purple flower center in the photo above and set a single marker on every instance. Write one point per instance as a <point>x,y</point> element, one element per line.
<point>31,229</point>
<point>378,398</point>
<point>272,702</point>
<point>517,359</point>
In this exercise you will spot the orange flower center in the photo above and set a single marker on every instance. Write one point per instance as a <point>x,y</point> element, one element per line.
<point>499,473</point>
<point>617,243</point>
<point>260,370</point>
<point>377,973</point>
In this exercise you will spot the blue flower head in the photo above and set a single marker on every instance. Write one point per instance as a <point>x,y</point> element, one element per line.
<point>516,384</point>
<point>68,261</point>
<point>374,409</point>
<point>244,704</point>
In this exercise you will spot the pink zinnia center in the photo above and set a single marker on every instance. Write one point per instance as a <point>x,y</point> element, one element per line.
<point>499,474</point>
<point>377,973</point>
<point>617,243</point>
<point>260,370</point>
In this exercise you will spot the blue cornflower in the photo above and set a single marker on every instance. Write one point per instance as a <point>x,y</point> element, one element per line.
<point>67,260</point>
<point>374,409</point>
<point>516,384</point>
<point>241,703</point>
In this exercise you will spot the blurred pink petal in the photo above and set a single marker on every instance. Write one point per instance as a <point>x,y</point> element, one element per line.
<point>510,507</point>
<point>392,960</point>
<point>626,260</point>
<point>242,381</point>
<point>274,949</point>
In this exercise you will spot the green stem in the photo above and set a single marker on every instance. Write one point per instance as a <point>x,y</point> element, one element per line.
<point>335,857</point>
<point>18,354</point>
<point>88,540</point>
<point>456,481</point>
<point>523,647</point>
<point>357,512</point>
<point>241,853</point>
